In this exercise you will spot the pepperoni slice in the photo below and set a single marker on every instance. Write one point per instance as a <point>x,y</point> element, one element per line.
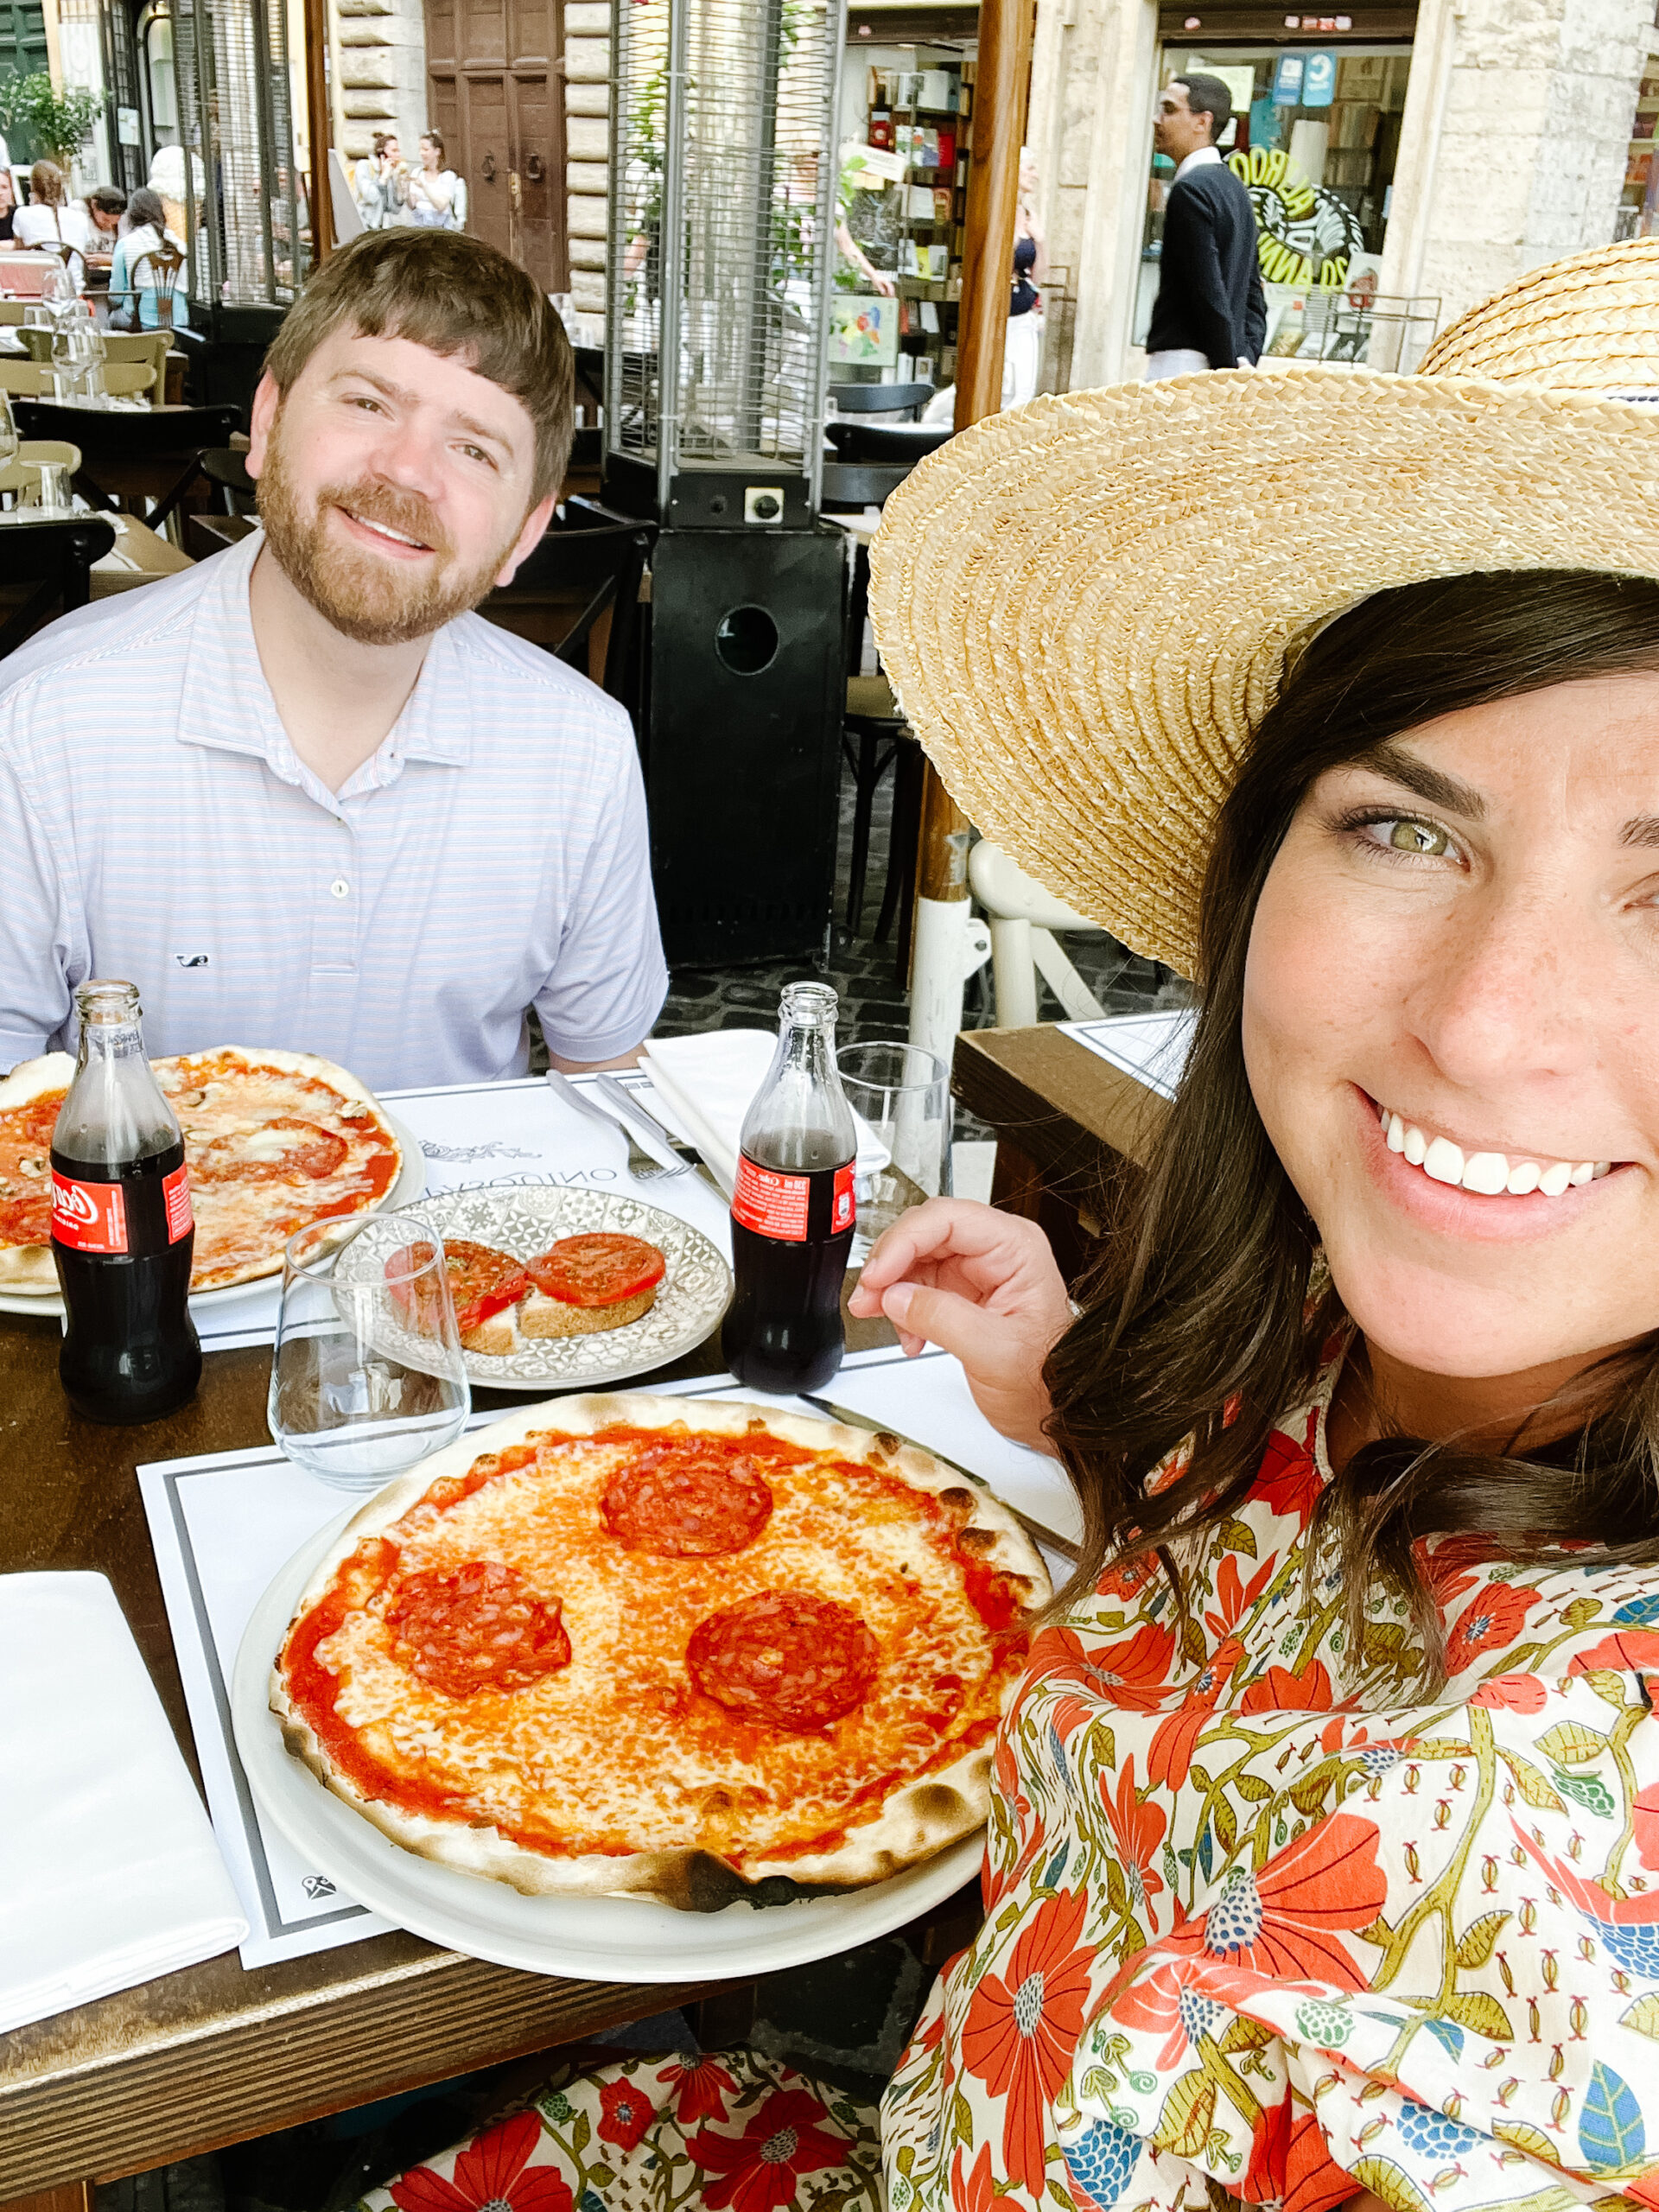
<point>26,1171</point>
<point>598,1268</point>
<point>687,1499</point>
<point>787,1657</point>
<point>481,1281</point>
<point>479,1628</point>
<point>310,1152</point>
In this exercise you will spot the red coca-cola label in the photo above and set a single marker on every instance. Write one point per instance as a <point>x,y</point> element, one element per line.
<point>175,1191</point>
<point>778,1206</point>
<point>88,1217</point>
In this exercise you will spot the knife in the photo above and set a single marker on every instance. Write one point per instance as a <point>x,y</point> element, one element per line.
<point>1065,1546</point>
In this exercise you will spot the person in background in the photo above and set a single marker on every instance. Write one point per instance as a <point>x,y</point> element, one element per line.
<point>106,206</point>
<point>1210,313</point>
<point>434,197</point>
<point>378,185</point>
<point>1023,346</point>
<point>49,219</point>
<point>8,208</point>
<point>133,281</point>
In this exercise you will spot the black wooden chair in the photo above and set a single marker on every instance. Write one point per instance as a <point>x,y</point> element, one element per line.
<point>45,571</point>
<point>226,470</point>
<point>590,564</point>
<point>881,398</point>
<point>126,457</point>
<point>893,445</point>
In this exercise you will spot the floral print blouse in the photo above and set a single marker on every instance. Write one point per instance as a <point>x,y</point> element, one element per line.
<point>1248,1925</point>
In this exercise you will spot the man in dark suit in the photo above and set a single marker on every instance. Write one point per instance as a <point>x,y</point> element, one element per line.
<point>1210,313</point>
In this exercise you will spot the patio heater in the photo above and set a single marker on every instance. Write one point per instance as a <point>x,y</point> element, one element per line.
<point>720,257</point>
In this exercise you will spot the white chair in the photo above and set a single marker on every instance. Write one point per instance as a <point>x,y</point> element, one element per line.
<point>1023,918</point>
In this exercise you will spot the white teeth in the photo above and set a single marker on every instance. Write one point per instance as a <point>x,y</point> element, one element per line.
<point>1444,1161</point>
<point>1487,1173</point>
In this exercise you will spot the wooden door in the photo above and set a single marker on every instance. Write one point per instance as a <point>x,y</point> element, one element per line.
<point>493,72</point>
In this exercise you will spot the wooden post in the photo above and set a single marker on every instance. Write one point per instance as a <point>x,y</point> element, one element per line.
<point>938,941</point>
<point>319,125</point>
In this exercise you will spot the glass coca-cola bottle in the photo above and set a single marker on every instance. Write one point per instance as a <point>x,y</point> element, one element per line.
<point>792,1208</point>
<point>122,1230</point>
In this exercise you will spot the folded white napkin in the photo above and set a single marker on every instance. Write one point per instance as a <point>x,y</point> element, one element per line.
<point>709,1082</point>
<point>109,1873</point>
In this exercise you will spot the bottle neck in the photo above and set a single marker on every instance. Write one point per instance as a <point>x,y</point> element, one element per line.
<point>104,1040</point>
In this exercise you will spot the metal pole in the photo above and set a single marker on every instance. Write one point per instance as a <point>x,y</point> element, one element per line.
<point>321,129</point>
<point>940,939</point>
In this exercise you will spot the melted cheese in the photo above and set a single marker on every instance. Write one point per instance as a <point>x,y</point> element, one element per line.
<point>619,1751</point>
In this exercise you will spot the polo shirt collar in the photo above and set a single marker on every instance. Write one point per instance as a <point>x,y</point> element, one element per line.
<point>225,703</point>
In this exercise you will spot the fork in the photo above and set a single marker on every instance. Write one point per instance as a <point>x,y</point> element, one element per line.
<point>642,1165</point>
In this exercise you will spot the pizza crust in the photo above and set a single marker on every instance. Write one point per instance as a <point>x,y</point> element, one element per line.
<point>916,1823</point>
<point>29,1267</point>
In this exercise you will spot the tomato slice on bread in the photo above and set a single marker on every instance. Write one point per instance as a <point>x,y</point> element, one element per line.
<point>482,1280</point>
<point>602,1268</point>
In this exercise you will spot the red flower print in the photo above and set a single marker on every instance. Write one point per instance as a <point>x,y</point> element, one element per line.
<point>1286,1920</point>
<point>490,2171</point>
<point>1234,1594</point>
<point>1020,2034</point>
<point>1448,1564</point>
<point>1489,1620</point>
<point>1135,1673</point>
<point>1137,1830</point>
<point>1129,1578</point>
<point>1313,2182</point>
<point>1174,1741</point>
<point>975,2192</point>
<point>1165,2003</point>
<point>1644,1821</point>
<point>700,2089</point>
<point>1280,1691</point>
<point>624,2115</point>
<point>1512,1693</point>
<point>760,2168</point>
<point>1628,1651</point>
<point>1287,1482</point>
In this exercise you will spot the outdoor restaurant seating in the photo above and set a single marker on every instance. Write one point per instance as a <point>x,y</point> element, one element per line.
<point>33,379</point>
<point>147,348</point>
<point>577,595</point>
<point>45,571</point>
<point>132,457</point>
<point>886,444</point>
<point>881,398</point>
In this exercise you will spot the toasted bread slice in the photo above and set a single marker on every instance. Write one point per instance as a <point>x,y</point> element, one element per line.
<point>541,1316</point>
<point>495,1335</point>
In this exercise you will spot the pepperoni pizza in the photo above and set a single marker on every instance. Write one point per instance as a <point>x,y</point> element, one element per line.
<point>273,1141</point>
<point>690,1649</point>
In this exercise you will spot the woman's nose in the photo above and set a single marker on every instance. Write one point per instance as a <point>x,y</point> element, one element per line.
<point>1503,993</point>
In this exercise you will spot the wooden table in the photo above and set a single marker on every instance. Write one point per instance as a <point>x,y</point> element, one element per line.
<point>1069,1127</point>
<point>214,2055</point>
<point>138,556</point>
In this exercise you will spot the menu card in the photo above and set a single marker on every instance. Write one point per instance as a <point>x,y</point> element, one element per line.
<point>1151,1047</point>
<point>222,1525</point>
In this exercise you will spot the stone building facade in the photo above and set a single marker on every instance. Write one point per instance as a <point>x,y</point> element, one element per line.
<point>587,146</point>
<point>377,73</point>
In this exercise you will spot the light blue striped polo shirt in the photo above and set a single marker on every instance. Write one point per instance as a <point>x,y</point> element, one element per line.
<point>156,824</point>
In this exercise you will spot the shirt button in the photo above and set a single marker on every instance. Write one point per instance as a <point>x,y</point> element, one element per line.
<point>340,888</point>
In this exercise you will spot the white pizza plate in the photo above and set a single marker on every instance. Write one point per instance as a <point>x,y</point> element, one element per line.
<point>592,1939</point>
<point>410,1183</point>
<point>524,1219</point>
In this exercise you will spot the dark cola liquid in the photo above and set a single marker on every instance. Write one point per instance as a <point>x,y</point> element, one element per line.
<point>130,1353</point>
<point>783,1331</point>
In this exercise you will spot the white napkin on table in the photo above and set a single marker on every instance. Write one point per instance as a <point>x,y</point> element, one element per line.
<point>109,1873</point>
<point>709,1083</point>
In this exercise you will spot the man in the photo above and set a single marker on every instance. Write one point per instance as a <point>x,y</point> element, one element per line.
<point>380,183</point>
<point>106,204</point>
<point>1210,313</point>
<point>300,795</point>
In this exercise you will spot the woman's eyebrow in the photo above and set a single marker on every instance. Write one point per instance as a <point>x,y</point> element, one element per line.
<point>1428,783</point>
<point>1640,829</point>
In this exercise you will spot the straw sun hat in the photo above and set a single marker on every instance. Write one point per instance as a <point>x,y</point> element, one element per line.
<point>1084,604</point>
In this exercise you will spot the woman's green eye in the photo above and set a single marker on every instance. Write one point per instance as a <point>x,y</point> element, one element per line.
<point>1418,837</point>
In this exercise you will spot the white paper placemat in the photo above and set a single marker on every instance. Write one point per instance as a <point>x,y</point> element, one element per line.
<point>1152,1047</point>
<point>222,1525</point>
<point>475,1133</point>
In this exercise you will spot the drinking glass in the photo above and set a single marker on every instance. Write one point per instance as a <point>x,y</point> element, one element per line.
<point>367,1377</point>
<point>8,433</point>
<point>903,1094</point>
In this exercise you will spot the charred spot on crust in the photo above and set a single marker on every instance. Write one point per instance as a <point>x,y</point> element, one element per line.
<point>957,1502</point>
<point>756,1423</point>
<point>980,1541</point>
<point>936,1803</point>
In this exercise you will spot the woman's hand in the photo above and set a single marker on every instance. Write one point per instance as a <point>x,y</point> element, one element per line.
<point>984,1285</point>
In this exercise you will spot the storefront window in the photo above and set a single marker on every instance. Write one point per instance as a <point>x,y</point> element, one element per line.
<point>1314,135</point>
<point>1639,205</point>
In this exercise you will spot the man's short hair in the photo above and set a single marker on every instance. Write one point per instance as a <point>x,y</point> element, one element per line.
<point>455,296</point>
<point>1209,96</point>
<point>110,198</point>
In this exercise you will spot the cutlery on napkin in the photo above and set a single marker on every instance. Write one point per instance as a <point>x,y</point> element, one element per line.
<point>109,1872</point>
<point>708,1083</point>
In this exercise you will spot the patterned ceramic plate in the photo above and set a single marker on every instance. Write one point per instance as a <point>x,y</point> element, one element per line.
<point>524,1219</point>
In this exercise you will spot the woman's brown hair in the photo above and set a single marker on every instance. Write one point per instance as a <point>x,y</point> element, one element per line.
<point>1197,1325</point>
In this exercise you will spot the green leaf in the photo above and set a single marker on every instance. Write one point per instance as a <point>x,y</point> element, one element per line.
<point>1643,2017</point>
<point>1581,1612</point>
<point>1252,1789</point>
<point>1237,1536</point>
<point>1570,1741</point>
<point>1226,1828</point>
<point>1612,2130</point>
<point>1438,1747</point>
<point>1117,1889</point>
<point>1475,1944</point>
<point>1586,1789</point>
<point>580,2132</point>
<point>1308,1794</point>
<point>1608,1685</point>
<point>1199,1778</point>
<point>1184,2123</point>
<point>1533,2140</point>
<point>601,2177</point>
<point>1531,1785</point>
<point>1195,1648</point>
<point>962,2120</point>
<point>1482,2015</point>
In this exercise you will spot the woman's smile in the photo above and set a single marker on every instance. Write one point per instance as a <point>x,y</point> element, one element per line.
<point>1479,1167</point>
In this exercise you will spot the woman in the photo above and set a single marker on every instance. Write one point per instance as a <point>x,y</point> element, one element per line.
<point>134,280</point>
<point>48,221</point>
<point>379,183</point>
<point>1023,346</point>
<point>8,208</point>
<point>1324,1864</point>
<point>436,197</point>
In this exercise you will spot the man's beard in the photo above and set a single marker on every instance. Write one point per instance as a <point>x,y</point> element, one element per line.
<point>375,601</point>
